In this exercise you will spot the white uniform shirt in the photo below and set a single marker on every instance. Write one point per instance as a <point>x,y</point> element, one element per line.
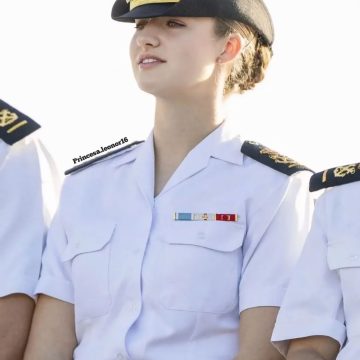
<point>324,293</point>
<point>147,287</point>
<point>22,214</point>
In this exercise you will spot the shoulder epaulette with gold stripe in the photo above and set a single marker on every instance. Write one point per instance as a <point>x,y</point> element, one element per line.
<point>101,157</point>
<point>340,175</point>
<point>271,158</point>
<point>14,125</point>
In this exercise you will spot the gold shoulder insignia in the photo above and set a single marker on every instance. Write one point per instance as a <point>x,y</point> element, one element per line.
<point>101,157</point>
<point>14,125</point>
<point>271,158</point>
<point>335,176</point>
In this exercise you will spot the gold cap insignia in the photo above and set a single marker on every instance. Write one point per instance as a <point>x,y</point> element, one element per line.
<point>135,3</point>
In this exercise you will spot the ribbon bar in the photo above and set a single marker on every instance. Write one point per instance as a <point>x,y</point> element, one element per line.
<point>178,216</point>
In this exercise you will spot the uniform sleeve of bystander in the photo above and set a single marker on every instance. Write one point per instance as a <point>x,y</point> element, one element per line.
<point>313,303</point>
<point>22,228</point>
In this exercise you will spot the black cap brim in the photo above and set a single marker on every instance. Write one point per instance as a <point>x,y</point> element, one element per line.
<point>251,12</point>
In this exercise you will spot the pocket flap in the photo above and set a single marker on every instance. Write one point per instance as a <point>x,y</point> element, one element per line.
<point>91,238</point>
<point>344,253</point>
<point>220,236</point>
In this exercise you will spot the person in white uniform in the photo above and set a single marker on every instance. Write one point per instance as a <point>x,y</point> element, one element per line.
<point>22,227</point>
<point>179,247</point>
<point>320,316</point>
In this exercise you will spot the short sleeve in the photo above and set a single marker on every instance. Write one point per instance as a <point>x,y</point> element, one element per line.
<point>276,234</point>
<point>313,302</point>
<point>22,229</point>
<point>55,278</point>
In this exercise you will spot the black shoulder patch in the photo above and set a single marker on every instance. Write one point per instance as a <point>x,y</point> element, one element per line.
<point>335,176</point>
<point>93,161</point>
<point>271,158</point>
<point>14,125</point>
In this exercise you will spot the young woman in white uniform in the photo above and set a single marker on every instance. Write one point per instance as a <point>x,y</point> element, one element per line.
<point>22,227</point>
<point>320,316</point>
<point>179,247</point>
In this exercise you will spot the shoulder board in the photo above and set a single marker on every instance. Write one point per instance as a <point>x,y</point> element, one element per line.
<point>14,125</point>
<point>335,176</point>
<point>271,158</point>
<point>101,157</point>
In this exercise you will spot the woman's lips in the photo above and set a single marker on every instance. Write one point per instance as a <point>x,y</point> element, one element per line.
<point>149,61</point>
<point>148,65</point>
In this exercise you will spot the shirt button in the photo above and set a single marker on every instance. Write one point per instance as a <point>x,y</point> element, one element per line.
<point>354,257</point>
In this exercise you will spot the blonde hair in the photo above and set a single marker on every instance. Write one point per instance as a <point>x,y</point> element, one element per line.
<point>249,69</point>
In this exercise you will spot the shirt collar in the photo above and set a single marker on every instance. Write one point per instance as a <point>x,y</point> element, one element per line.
<point>226,144</point>
<point>222,143</point>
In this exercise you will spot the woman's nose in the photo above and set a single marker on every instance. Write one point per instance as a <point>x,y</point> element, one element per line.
<point>147,38</point>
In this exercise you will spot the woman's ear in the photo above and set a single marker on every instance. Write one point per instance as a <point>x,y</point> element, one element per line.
<point>231,50</point>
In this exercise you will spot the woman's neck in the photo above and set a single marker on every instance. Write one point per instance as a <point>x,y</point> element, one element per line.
<point>179,126</point>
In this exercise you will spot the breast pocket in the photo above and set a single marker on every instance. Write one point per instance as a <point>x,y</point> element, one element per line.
<point>88,250</point>
<point>201,266</point>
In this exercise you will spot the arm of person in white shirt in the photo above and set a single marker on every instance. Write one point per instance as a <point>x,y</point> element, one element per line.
<point>22,230</point>
<point>52,335</point>
<point>256,326</point>
<point>15,313</point>
<point>313,348</point>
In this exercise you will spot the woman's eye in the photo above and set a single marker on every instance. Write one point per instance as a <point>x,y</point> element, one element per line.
<point>171,23</point>
<point>139,26</point>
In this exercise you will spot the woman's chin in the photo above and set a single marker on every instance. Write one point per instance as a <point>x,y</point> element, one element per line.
<point>157,90</point>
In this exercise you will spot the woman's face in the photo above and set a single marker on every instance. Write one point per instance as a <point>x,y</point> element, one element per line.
<point>181,55</point>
